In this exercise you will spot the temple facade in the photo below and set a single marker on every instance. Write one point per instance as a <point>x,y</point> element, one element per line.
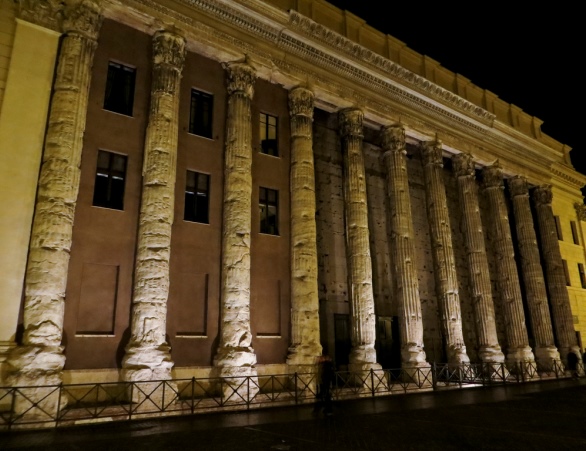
<point>213,188</point>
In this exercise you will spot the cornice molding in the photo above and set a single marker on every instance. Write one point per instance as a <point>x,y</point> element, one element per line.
<point>568,175</point>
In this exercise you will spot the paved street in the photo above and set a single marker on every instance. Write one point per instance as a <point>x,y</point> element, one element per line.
<point>537,416</point>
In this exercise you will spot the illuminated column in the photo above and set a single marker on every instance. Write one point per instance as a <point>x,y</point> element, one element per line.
<point>305,341</point>
<point>554,274</point>
<point>362,354</point>
<point>40,360</point>
<point>443,253</point>
<point>518,349</point>
<point>410,318</point>
<point>489,348</point>
<point>23,119</point>
<point>545,350</point>
<point>235,356</point>
<point>148,354</point>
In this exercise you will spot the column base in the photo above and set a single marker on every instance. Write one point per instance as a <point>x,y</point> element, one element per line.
<point>491,354</point>
<point>304,354</point>
<point>413,356</point>
<point>523,354</point>
<point>457,356</point>
<point>234,366</point>
<point>546,357</point>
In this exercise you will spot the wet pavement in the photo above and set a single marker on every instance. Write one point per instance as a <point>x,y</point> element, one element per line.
<point>538,416</point>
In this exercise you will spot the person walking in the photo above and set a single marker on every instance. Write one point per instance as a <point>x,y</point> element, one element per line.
<point>573,364</point>
<point>325,378</point>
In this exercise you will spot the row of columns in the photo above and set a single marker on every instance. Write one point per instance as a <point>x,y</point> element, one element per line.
<point>40,358</point>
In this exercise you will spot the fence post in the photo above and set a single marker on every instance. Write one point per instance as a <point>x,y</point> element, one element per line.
<point>131,398</point>
<point>58,404</point>
<point>295,387</point>
<point>247,392</point>
<point>372,381</point>
<point>434,376</point>
<point>192,395</point>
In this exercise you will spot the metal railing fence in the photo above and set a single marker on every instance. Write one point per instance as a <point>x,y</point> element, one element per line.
<point>70,404</point>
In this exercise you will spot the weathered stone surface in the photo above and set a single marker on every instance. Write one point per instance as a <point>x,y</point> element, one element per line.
<point>39,360</point>
<point>410,317</point>
<point>518,349</point>
<point>363,320</point>
<point>443,254</point>
<point>554,273</point>
<point>46,13</point>
<point>545,349</point>
<point>235,356</point>
<point>147,354</point>
<point>489,348</point>
<point>305,339</point>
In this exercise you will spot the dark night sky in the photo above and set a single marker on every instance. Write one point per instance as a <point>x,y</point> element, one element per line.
<point>528,56</point>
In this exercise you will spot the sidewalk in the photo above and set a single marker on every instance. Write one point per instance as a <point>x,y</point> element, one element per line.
<point>540,415</point>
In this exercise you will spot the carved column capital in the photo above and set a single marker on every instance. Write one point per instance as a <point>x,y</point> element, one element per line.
<point>580,211</point>
<point>393,138</point>
<point>492,176</point>
<point>518,186</point>
<point>431,152</point>
<point>46,13</point>
<point>463,165</point>
<point>542,195</point>
<point>168,49</point>
<point>84,18</point>
<point>241,78</point>
<point>350,121</point>
<point>301,102</point>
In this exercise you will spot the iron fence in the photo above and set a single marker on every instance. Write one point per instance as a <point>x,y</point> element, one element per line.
<point>70,404</point>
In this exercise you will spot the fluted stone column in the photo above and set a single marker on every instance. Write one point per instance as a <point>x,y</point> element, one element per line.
<point>410,317</point>
<point>148,354</point>
<point>554,273</point>
<point>363,321</point>
<point>545,349</point>
<point>444,261</point>
<point>305,340</point>
<point>40,360</point>
<point>235,356</point>
<point>518,349</point>
<point>489,348</point>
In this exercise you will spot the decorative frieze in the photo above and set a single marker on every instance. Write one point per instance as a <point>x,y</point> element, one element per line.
<point>518,349</point>
<point>410,316</point>
<point>46,13</point>
<point>535,291</point>
<point>148,354</point>
<point>554,273</point>
<point>443,253</point>
<point>489,348</point>
<point>363,320</point>
<point>305,337</point>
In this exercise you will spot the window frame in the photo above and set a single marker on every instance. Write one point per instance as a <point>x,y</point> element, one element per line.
<point>195,194</point>
<point>566,273</point>
<point>575,234</point>
<point>109,174</point>
<point>263,148</point>
<point>265,225</point>
<point>112,106</point>
<point>558,228</point>
<point>195,114</point>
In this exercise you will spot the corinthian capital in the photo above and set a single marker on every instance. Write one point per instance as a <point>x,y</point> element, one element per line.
<point>168,49</point>
<point>46,13</point>
<point>432,153</point>
<point>241,78</point>
<point>518,186</point>
<point>580,211</point>
<point>301,102</point>
<point>83,17</point>
<point>350,121</point>
<point>542,195</point>
<point>393,138</point>
<point>463,165</point>
<point>492,176</point>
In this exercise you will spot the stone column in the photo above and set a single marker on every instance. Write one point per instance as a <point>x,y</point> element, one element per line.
<point>446,279</point>
<point>235,356</point>
<point>40,360</point>
<point>489,348</point>
<point>148,354</point>
<point>410,318</point>
<point>545,349</point>
<point>305,340</point>
<point>362,354</point>
<point>23,122</point>
<point>554,273</point>
<point>518,349</point>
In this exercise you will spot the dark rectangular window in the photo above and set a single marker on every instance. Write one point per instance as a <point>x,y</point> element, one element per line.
<point>201,113</point>
<point>575,235</point>
<point>110,180</point>
<point>582,274</point>
<point>197,197</point>
<point>566,273</point>
<point>268,135</point>
<point>558,228</point>
<point>269,211</point>
<point>120,89</point>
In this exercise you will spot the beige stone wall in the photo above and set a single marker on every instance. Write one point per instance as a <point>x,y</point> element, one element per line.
<point>7,29</point>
